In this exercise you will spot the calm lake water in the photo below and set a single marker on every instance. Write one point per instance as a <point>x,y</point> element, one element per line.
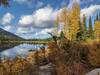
<point>21,50</point>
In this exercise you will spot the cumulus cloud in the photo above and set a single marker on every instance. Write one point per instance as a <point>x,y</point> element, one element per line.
<point>6,21</point>
<point>41,18</point>
<point>26,20</point>
<point>24,30</point>
<point>90,10</point>
<point>45,31</point>
<point>7,18</point>
<point>7,28</point>
<point>44,16</point>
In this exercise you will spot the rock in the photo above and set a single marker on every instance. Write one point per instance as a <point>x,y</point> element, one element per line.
<point>47,69</point>
<point>94,72</point>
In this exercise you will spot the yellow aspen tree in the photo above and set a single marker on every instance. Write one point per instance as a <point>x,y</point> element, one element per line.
<point>64,19</point>
<point>75,21</point>
<point>56,24</point>
<point>97,29</point>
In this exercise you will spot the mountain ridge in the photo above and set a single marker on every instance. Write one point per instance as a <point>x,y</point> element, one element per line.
<point>5,35</point>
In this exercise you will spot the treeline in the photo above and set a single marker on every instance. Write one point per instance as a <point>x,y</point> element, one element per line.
<point>35,39</point>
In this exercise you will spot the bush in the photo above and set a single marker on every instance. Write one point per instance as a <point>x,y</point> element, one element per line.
<point>94,53</point>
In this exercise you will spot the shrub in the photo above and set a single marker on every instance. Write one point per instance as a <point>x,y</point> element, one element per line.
<point>94,54</point>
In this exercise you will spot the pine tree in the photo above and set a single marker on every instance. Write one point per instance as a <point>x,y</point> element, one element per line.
<point>83,28</point>
<point>90,27</point>
<point>62,35</point>
<point>84,23</point>
<point>97,26</point>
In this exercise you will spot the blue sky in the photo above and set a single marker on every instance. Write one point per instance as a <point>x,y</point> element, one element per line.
<point>33,18</point>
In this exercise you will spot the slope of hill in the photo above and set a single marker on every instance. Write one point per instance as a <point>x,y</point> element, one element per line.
<point>5,35</point>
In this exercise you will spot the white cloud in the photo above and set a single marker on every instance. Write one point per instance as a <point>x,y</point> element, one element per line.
<point>90,10</point>
<point>26,20</point>
<point>7,28</point>
<point>40,17</point>
<point>25,30</point>
<point>45,31</point>
<point>7,18</point>
<point>44,15</point>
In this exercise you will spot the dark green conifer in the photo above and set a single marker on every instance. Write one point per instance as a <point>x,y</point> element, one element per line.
<point>84,23</point>
<point>90,27</point>
<point>97,16</point>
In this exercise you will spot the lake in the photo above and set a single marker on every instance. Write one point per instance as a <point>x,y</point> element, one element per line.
<point>21,49</point>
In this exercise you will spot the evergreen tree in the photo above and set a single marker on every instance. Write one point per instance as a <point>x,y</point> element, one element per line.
<point>97,17</point>
<point>90,27</point>
<point>84,23</point>
<point>83,28</point>
<point>62,35</point>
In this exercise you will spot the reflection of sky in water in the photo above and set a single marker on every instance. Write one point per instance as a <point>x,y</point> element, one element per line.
<point>20,50</point>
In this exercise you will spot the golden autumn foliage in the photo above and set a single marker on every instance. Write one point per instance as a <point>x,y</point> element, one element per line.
<point>66,60</point>
<point>74,21</point>
<point>97,29</point>
<point>64,18</point>
<point>94,53</point>
<point>71,21</point>
<point>18,66</point>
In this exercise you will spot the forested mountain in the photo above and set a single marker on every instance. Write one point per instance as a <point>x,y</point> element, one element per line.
<point>5,35</point>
